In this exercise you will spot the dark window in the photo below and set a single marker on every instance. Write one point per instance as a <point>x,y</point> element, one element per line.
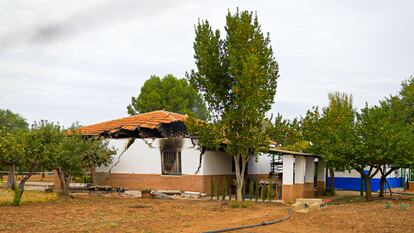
<point>171,162</point>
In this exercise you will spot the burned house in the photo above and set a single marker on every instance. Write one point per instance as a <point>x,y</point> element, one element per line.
<point>155,151</point>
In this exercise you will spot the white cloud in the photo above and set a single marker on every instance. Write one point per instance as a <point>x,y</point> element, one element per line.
<point>68,61</point>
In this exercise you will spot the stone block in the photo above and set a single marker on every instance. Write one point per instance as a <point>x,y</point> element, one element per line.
<point>191,195</point>
<point>133,193</point>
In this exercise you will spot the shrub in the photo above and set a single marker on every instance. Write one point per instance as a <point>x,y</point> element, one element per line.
<point>213,186</point>
<point>329,192</point>
<point>263,193</point>
<point>251,190</point>
<point>388,205</point>
<point>234,204</point>
<point>257,191</point>
<point>270,190</point>
<point>217,191</point>
<point>244,204</point>
<point>404,206</point>
<point>146,191</point>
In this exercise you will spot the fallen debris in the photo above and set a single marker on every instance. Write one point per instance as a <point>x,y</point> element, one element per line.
<point>133,193</point>
<point>160,195</point>
<point>170,192</point>
<point>189,194</point>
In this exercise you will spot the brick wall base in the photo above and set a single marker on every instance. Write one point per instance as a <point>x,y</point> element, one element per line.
<point>291,192</point>
<point>308,190</point>
<point>194,183</point>
<point>299,190</point>
<point>288,193</point>
<point>411,186</point>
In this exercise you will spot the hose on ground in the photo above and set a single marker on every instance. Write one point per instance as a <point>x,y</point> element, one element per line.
<point>254,225</point>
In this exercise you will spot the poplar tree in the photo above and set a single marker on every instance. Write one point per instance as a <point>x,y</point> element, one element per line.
<point>237,76</point>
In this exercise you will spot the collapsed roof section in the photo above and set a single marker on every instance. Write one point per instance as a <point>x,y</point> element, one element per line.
<point>156,124</point>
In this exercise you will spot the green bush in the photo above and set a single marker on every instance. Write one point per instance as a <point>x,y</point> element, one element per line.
<point>257,191</point>
<point>270,192</point>
<point>244,204</point>
<point>404,206</point>
<point>388,205</point>
<point>234,204</point>
<point>263,193</point>
<point>146,191</point>
<point>251,190</point>
<point>329,192</point>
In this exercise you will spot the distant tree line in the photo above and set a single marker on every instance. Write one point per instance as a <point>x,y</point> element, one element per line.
<point>377,139</point>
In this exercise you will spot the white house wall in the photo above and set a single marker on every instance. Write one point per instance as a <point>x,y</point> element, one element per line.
<point>140,158</point>
<point>217,163</point>
<point>261,165</point>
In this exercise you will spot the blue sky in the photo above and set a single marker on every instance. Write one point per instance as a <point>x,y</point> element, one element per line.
<point>70,61</point>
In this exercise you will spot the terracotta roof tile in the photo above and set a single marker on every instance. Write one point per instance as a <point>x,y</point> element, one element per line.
<point>149,120</point>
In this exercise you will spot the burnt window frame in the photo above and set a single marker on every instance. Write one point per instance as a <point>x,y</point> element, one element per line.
<point>178,163</point>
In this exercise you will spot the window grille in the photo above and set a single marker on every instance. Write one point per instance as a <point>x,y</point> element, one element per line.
<point>171,162</point>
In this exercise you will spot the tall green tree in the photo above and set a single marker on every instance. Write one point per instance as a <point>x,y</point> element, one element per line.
<point>332,132</point>
<point>170,94</point>
<point>10,122</point>
<point>237,76</point>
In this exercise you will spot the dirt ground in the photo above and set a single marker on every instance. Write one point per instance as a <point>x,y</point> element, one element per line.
<point>93,213</point>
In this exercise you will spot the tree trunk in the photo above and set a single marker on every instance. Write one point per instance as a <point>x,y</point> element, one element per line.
<point>18,193</point>
<point>368,193</point>
<point>332,181</point>
<point>64,182</point>
<point>11,177</point>
<point>382,186</point>
<point>93,175</point>
<point>239,175</point>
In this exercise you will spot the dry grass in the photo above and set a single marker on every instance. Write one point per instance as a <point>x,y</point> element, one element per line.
<point>6,197</point>
<point>109,213</point>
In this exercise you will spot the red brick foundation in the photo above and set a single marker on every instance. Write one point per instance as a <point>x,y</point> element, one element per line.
<point>192,183</point>
<point>288,193</point>
<point>308,190</point>
<point>411,186</point>
<point>291,192</point>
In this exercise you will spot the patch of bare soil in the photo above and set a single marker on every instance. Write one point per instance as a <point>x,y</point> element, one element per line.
<point>91,213</point>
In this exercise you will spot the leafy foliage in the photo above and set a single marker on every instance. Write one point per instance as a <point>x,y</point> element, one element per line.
<point>288,134</point>
<point>170,94</point>
<point>73,155</point>
<point>12,121</point>
<point>9,123</point>
<point>332,132</point>
<point>237,77</point>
